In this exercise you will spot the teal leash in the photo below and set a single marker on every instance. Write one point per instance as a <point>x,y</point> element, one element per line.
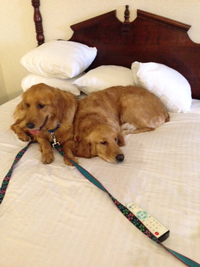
<point>125,211</point>
<point>6,179</point>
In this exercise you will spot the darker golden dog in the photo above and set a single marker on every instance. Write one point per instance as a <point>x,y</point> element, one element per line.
<point>46,114</point>
<point>98,121</point>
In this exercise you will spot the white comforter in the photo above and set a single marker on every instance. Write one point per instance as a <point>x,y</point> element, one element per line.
<point>52,216</point>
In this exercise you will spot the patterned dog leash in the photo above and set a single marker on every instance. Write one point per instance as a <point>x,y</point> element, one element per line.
<point>125,211</point>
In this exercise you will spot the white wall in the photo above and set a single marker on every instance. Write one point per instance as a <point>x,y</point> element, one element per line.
<point>18,31</point>
<point>17,37</point>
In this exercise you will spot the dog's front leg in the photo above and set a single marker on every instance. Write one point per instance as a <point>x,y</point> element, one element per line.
<point>68,148</point>
<point>47,154</point>
<point>21,134</point>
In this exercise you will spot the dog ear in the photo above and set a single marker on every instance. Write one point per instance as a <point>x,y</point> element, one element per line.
<point>65,105</point>
<point>59,106</point>
<point>20,112</point>
<point>121,141</point>
<point>83,149</point>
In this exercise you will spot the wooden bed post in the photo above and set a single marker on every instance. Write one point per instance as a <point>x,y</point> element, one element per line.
<point>38,22</point>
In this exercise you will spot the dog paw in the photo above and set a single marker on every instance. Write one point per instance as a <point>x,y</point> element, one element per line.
<point>47,158</point>
<point>23,137</point>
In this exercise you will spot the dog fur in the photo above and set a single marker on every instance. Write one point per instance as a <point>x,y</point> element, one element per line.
<point>43,108</point>
<point>98,121</point>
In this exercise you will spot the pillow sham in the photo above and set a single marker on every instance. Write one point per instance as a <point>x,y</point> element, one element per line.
<point>103,77</point>
<point>63,84</point>
<point>166,83</point>
<point>59,59</point>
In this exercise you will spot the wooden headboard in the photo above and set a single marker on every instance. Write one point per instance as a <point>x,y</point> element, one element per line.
<point>149,38</point>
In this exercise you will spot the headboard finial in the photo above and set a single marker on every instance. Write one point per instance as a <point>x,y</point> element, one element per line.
<point>126,24</point>
<point>126,14</point>
<point>38,22</point>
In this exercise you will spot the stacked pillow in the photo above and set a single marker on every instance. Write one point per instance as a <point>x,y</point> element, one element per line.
<point>58,64</point>
<point>62,64</point>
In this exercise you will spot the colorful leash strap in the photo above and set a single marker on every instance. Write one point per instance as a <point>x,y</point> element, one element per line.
<point>125,211</point>
<point>6,179</point>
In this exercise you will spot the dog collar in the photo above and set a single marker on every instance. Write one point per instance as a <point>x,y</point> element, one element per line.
<point>53,131</point>
<point>53,138</point>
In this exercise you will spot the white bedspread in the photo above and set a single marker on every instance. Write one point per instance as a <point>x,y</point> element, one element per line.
<point>52,216</point>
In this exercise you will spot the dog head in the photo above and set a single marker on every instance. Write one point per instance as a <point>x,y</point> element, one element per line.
<point>102,141</point>
<point>43,107</point>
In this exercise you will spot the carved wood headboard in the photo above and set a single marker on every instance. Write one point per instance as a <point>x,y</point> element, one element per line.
<point>149,38</point>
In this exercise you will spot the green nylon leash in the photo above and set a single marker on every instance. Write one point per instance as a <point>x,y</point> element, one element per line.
<point>125,211</point>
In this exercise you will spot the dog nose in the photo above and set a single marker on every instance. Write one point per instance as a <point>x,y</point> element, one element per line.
<point>30,125</point>
<point>120,157</point>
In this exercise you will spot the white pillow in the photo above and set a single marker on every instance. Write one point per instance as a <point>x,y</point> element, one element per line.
<point>166,83</point>
<point>59,59</point>
<point>63,84</point>
<point>103,77</point>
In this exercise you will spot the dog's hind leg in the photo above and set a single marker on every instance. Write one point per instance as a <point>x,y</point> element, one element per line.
<point>138,120</point>
<point>128,128</point>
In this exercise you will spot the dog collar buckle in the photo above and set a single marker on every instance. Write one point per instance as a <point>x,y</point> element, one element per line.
<point>54,141</point>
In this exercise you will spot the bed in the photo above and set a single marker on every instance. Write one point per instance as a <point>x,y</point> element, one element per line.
<point>51,215</point>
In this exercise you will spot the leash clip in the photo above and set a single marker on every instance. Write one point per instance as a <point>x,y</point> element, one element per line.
<point>54,141</point>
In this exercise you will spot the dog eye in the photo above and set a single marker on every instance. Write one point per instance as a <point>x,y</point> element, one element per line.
<point>27,105</point>
<point>103,143</point>
<point>40,106</point>
<point>116,139</point>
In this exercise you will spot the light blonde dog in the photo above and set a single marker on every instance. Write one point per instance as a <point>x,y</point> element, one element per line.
<point>98,121</point>
<point>45,113</point>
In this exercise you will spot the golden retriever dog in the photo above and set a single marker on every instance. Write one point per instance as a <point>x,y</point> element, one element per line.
<point>98,121</point>
<point>46,114</point>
